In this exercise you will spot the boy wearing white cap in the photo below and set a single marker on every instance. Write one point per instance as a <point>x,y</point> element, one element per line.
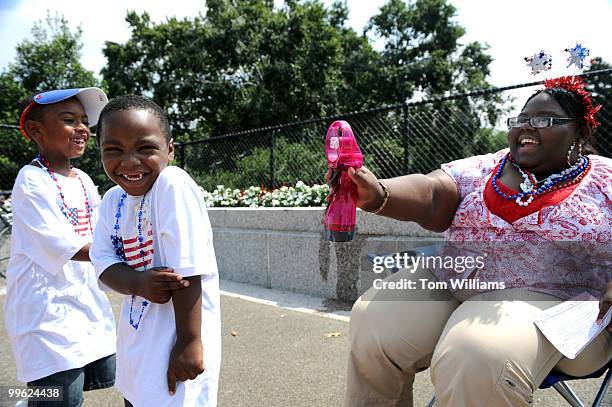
<point>60,324</point>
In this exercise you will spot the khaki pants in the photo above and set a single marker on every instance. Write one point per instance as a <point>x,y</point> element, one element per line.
<point>482,352</point>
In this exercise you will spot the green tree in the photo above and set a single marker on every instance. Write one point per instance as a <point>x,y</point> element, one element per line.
<point>50,59</point>
<point>423,56</point>
<point>245,64</point>
<point>422,50</point>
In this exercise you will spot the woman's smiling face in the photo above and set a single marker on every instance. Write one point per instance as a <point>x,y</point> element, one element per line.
<point>134,149</point>
<point>542,150</point>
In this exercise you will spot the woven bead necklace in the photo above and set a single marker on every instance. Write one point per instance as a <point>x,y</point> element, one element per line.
<point>117,242</point>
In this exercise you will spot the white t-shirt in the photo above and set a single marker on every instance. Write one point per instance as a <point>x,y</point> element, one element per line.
<point>56,316</point>
<point>176,233</point>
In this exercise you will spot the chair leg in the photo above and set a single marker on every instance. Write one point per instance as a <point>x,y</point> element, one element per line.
<point>568,394</point>
<point>431,402</point>
<point>602,389</point>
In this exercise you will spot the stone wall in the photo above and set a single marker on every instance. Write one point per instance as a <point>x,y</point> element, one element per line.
<point>284,248</point>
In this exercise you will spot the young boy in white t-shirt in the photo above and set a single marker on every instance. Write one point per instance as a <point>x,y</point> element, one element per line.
<point>60,324</point>
<point>167,354</point>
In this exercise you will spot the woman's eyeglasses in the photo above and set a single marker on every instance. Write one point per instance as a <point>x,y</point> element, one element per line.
<point>537,122</point>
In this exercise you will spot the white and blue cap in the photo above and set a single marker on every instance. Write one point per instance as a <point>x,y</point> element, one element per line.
<point>92,99</point>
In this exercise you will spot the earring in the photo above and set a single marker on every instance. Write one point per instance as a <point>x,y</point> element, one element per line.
<point>569,153</point>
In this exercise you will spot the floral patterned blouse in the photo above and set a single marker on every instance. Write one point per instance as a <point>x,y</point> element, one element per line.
<point>562,247</point>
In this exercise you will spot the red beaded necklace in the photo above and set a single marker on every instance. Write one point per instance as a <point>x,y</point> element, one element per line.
<point>68,213</point>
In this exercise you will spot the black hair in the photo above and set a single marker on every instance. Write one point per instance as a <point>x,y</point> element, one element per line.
<point>135,102</point>
<point>572,104</point>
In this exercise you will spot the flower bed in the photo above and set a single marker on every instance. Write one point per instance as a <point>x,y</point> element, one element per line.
<point>301,195</point>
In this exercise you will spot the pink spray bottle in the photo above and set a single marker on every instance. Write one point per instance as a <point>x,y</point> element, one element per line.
<point>342,153</point>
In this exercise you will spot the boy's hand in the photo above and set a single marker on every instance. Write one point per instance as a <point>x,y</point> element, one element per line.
<point>186,362</point>
<point>157,284</point>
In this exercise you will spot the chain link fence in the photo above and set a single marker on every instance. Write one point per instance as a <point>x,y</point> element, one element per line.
<point>15,152</point>
<point>395,140</point>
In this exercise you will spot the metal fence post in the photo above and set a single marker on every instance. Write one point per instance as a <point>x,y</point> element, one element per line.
<point>406,138</point>
<point>272,159</point>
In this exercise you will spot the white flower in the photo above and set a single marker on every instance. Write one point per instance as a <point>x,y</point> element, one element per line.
<point>252,197</point>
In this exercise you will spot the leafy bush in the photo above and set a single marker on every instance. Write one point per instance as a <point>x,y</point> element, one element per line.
<point>8,173</point>
<point>251,166</point>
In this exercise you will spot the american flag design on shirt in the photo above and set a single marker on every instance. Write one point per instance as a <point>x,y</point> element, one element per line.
<point>132,251</point>
<point>79,219</point>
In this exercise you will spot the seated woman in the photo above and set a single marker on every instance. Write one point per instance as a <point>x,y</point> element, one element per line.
<point>483,347</point>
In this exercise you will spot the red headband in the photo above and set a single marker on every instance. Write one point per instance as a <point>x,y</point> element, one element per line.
<point>22,119</point>
<point>576,85</point>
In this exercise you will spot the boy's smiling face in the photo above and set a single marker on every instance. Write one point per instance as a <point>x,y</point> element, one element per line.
<point>134,149</point>
<point>63,132</point>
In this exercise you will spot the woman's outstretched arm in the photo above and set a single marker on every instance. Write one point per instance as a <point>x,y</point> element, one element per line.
<point>430,200</point>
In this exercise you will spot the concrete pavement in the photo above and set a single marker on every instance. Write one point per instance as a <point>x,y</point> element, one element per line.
<point>276,353</point>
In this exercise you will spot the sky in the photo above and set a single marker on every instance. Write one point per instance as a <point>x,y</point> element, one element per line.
<point>513,29</point>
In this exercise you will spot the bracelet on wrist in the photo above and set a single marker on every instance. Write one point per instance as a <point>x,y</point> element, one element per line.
<point>385,199</point>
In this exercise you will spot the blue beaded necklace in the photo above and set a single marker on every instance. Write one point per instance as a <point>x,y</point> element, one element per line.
<point>531,191</point>
<point>117,242</point>
<point>68,213</point>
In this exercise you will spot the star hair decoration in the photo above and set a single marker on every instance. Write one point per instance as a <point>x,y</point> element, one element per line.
<point>539,62</point>
<point>577,56</point>
<point>576,85</point>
